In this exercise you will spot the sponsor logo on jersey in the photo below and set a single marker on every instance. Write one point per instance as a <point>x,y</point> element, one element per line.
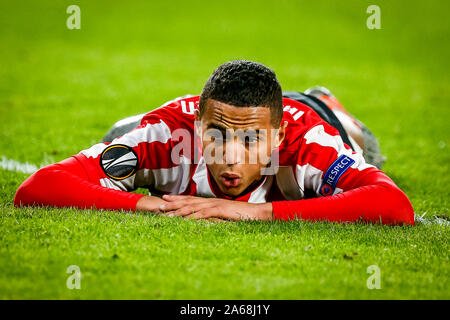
<point>119,161</point>
<point>334,172</point>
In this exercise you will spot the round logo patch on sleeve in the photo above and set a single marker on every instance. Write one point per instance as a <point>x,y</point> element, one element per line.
<point>119,161</point>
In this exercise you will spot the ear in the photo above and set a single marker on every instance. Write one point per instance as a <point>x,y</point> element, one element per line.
<point>281,134</point>
<point>197,115</point>
<point>198,123</point>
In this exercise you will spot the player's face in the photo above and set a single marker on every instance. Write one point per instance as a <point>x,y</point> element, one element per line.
<point>237,143</point>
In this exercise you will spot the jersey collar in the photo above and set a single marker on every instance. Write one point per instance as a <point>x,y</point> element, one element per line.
<point>206,186</point>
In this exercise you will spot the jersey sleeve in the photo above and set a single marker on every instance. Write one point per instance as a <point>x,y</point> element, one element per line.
<point>325,164</point>
<point>344,187</point>
<point>103,175</point>
<point>129,162</point>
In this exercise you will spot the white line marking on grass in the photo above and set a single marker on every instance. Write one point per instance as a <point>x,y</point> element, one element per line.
<point>13,165</point>
<point>432,220</point>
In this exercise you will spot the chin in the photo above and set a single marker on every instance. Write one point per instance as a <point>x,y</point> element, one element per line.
<point>232,192</point>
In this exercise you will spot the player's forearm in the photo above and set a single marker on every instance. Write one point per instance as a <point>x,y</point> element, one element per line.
<point>382,203</point>
<point>52,186</point>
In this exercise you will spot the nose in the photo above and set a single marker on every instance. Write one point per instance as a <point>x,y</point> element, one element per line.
<point>234,151</point>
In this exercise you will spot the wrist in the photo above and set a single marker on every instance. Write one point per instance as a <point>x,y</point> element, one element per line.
<point>149,203</point>
<point>265,211</point>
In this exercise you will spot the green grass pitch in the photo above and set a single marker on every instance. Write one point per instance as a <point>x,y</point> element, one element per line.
<point>60,90</point>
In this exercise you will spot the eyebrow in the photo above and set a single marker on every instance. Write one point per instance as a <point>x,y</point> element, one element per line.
<point>223,129</point>
<point>216,126</point>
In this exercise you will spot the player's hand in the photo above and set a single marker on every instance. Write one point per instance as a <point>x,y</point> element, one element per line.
<point>213,208</point>
<point>149,203</point>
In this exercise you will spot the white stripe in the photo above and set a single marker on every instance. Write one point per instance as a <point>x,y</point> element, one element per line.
<point>13,165</point>
<point>142,178</point>
<point>200,178</point>
<point>309,177</point>
<point>111,184</point>
<point>312,179</point>
<point>287,184</point>
<point>173,180</point>
<point>291,110</point>
<point>129,120</point>
<point>260,193</point>
<point>150,133</point>
<point>312,176</point>
<point>431,220</point>
<point>94,151</point>
<point>298,115</point>
<point>185,109</point>
<point>318,135</point>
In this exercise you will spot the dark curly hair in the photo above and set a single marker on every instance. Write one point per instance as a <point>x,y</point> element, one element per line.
<point>244,83</point>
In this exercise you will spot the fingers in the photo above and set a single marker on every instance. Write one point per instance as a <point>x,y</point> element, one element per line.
<point>201,214</point>
<point>178,202</point>
<point>180,212</point>
<point>169,197</point>
<point>189,213</point>
<point>207,213</point>
<point>172,209</point>
<point>171,206</point>
<point>212,219</point>
<point>191,207</point>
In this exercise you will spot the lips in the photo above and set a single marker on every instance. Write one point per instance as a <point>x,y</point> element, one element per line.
<point>230,180</point>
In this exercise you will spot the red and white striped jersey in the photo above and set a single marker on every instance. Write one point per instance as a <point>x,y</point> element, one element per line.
<point>313,159</point>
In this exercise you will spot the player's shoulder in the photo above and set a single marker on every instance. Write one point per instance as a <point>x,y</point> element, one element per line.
<point>299,115</point>
<point>301,119</point>
<point>177,113</point>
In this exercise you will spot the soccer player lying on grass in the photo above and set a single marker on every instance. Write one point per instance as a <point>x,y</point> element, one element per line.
<point>243,149</point>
